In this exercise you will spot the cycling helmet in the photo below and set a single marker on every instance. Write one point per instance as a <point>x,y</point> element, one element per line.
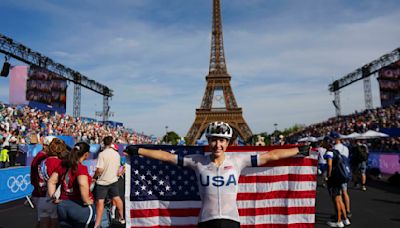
<point>219,129</point>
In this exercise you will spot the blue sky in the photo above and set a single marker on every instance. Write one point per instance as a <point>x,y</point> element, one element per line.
<point>155,54</point>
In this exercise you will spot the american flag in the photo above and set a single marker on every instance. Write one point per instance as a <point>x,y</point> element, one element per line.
<point>279,194</point>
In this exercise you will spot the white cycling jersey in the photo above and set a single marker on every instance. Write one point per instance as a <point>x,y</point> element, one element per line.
<point>218,185</point>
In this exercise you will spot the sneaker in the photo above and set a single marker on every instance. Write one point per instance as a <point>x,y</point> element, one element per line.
<point>121,221</point>
<point>335,224</point>
<point>364,188</point>
<point>346,222</point>
<point>349,214</point>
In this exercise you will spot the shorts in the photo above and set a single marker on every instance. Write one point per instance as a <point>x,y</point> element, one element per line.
<point>344,186</point>
<point>46,208</point>
<point>335,189</point>
<point>359,168</point>
<point>102,191</point>
<point>362,167</point>
<point>322,169</point>
<point>219,223</point>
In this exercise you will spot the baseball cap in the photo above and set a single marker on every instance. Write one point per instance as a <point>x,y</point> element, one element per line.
<point>334,135</point>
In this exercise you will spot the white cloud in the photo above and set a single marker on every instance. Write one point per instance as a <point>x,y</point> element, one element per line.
<point>281,60</point>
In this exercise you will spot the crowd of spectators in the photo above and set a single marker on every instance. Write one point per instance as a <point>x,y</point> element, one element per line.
<point>25,125</point>
<point>359,122</point>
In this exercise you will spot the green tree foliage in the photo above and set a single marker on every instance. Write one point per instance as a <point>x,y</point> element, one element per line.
<point>171,138</point>
<point>275,135</point>
<point>294,128</point>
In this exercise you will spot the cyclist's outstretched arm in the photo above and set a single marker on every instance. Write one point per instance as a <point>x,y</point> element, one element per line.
<point>278,154</point>
<point>153,154</point>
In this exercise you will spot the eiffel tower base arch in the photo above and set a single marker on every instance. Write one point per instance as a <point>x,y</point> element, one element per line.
<point>233,117</point>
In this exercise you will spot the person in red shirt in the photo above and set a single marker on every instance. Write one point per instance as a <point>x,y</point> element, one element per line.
<point>75,206</point>
<point>47,211</point>
<point>36,193</point>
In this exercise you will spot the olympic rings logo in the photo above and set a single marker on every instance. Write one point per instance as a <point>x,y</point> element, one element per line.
<point>19,183</point>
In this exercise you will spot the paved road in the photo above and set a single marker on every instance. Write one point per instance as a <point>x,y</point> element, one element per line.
<point>379,207</point>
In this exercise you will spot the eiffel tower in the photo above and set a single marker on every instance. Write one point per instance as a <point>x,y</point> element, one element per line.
<point>218,102</point>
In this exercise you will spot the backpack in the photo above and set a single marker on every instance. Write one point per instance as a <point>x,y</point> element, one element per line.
<point>363,153</point>
<point>341,172</point>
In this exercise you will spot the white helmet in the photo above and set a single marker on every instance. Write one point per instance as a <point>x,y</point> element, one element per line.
<point>47,140</point>
<point>219,129</point>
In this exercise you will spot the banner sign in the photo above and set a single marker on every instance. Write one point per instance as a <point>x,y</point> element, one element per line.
<point>15,183</point>
<point>387,163</point>
<point>389,84</point>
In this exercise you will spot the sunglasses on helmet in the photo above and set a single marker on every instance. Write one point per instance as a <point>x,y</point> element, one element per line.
<point>220,130</point>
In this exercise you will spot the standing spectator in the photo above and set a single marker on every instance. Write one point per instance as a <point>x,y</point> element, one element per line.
<point>4,158</point>
<point>322,166</point>
<point>335,187</point>
<point>359,160</point>
<point>35,181</point>
<point>108,164</point>
<point>46,210</point>
<point>281,140</point>
<point>13,150</point>
<point>343,150</point>
<point>76,206</point>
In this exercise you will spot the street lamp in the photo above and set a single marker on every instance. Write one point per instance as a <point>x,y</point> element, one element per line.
<point>166,134</point>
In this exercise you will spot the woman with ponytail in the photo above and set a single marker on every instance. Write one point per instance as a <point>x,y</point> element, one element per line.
<point>75,206</point>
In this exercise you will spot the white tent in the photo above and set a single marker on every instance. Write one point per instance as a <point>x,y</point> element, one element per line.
<point>370,134</point>
<point>352,135</point>
<point>308,139</point>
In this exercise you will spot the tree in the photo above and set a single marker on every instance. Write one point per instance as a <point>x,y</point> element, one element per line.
<point>171,138</point>
<point>293,129</point>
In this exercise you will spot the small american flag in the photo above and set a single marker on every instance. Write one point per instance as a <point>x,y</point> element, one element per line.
<point>280,194</point>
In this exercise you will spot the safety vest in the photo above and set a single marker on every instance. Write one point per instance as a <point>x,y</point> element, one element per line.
<point>4,156</point>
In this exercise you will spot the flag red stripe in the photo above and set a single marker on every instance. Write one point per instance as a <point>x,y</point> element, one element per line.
<point>271,225</point>
<point>293,225</point>
<point>179,212</point>
<point>276,194</point>
<point>292,162</point>
<point>258,148</point>
<point>277,178</point>
<point>145,213</point>
<point>175,226</point>
<point>276,210</point>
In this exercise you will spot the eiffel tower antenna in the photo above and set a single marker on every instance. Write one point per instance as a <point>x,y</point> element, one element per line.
<point>217,54</point>
<point>218,103</point>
